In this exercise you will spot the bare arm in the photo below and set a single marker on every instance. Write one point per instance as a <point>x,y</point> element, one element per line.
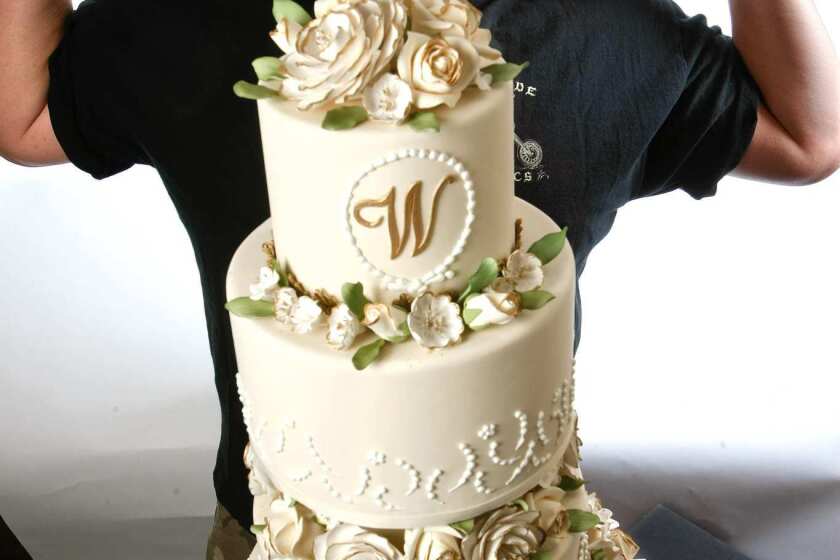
<point>790,55</point>
<point>29,32</point>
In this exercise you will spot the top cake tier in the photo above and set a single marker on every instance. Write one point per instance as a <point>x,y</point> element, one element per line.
<point>395,209</point>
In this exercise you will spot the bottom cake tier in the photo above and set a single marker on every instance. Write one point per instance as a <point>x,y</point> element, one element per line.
<point>558,519</point>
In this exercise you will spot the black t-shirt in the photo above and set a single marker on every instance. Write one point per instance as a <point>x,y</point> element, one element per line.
<point>623,99</point>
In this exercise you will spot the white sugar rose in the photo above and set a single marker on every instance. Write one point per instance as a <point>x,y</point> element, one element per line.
<point>453,17</point>
<point>437,68</point>
<point>385,321</point>
<point>524,270</point>
<point>348,542</point>
<point>549,503</point>
<point>306,315</point>
<point>266,284</point>
<point>344,327</point>
<point>507,534</point>
<point>498,305</point>
<point>433,543</point>
<point>435,321</point>
<point>388,99</point>
<point>336,55</point>
<point>290,532</point>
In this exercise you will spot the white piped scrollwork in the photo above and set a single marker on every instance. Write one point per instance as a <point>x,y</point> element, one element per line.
<point>534,446</point>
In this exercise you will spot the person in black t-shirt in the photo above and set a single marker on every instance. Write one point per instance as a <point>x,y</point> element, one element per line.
<point>623,99</point>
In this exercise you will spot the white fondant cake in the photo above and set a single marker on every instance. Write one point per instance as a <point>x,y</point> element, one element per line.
<point>403,324</point>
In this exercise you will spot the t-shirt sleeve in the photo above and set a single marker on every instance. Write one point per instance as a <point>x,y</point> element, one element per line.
<point>712,121</point>
<point>91,106</point>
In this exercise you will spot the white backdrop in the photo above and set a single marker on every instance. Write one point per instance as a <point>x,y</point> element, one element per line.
<point>708,376</point>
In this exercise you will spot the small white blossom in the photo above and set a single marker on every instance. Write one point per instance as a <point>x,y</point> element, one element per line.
<point>344,327</point>
<point>266,284</point>
<point>388,99</point>
<point>285,300</point>
<point>524,270</point>
<point>435,321</point>
<point>301,314</point>
<point>605,535</point>
<point>306,315</point>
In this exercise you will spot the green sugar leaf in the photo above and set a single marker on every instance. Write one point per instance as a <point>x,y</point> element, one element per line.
<point>549,246</point>
<point>257,529</point>
<point>344,118</point>
<point>535,299</point>
<point>504,72</point>
<point>354,296</point>
<point>570,483</point>
<point>465,526</point>
<point>367,354</point>
<point>581,521</point>
<point>247,90</point>
<point>600,554</point>
<point>424,120</point>
<point>267,67</point>
<point>487,271</point>
<point>292,11</point>
<point>246,307</point>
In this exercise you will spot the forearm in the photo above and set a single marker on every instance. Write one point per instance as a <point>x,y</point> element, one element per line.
<point>29,32</point>
<point>789,53</point>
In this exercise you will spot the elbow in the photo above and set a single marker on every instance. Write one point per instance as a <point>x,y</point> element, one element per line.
<point>15,153</point>
<point>10,150</point>
<point>818,161</point>
<point>13,146</point>
<point>34,147</point>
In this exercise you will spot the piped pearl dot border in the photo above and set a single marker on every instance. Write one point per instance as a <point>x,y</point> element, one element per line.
<point>442,271</point>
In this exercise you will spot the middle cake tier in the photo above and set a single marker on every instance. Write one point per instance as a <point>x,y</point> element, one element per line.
<point>422,437</point>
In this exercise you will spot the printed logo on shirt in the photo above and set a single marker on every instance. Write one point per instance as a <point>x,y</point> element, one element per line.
<point>529,153</point>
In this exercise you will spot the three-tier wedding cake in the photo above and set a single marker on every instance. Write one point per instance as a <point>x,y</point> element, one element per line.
<point>403,324</point>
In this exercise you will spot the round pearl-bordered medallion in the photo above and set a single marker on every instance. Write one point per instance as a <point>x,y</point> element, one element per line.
<point>442,271</point>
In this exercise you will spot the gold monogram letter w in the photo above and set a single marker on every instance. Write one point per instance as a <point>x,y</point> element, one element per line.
<point>413,220</point>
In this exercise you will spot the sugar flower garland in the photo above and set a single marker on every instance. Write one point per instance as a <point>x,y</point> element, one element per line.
<point>537,526</point>
<point>495,295</point>
<point>385,60</point>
